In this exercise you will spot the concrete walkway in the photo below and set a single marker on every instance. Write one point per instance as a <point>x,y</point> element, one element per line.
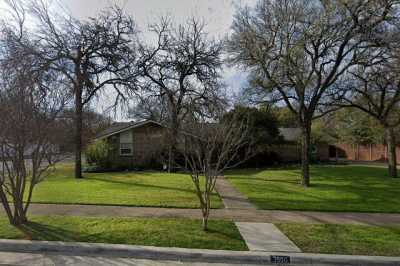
<point>258,236</point>
<point>265,237</point>
<point>238,215</point>
<point>231,197</point>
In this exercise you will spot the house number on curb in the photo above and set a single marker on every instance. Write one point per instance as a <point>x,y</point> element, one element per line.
<point>280,259</point>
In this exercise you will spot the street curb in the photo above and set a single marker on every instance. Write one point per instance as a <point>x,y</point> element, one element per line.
<point>187,255</point>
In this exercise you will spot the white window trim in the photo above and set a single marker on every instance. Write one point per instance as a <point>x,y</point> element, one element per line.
<point>125,139</point>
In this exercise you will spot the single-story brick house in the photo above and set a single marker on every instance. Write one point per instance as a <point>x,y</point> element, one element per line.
<point>135,143</point>
<point>141,144</point>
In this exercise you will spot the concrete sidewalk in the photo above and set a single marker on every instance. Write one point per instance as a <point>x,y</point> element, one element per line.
<point>109,254</point>
<point>231,197</point>
<point>238,215</point>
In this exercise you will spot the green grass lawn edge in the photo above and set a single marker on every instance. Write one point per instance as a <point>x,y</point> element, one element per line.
<point>133,189</point>
<point>344,239</point>
<point>161,232</point>
<point>334,188</point>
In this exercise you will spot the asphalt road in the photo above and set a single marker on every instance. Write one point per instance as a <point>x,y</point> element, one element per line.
<point>27,259</point>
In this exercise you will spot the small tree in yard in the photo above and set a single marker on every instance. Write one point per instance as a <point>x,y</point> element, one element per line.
<point>29,109</point>
<point>182,69</point>
<point>211,148</point>
<point>98,153</point>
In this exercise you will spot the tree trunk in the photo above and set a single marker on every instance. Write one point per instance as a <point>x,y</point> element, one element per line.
<point>171,158</point>
<point>6,205</point>
<point>172,143</point>
<point>206,208</point>
<point>19,219</point>
<point>205,224</point>
<point>392,160</point>
<point>306,153</point>
<point>78,132</point>
<point>206,214</point>
<point>19,216</point>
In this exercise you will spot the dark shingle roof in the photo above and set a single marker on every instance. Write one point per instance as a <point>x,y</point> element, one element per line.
<point>118,127</point>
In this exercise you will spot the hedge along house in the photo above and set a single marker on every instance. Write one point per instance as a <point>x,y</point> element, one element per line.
<point>135,144</point>
<point>290,149</point>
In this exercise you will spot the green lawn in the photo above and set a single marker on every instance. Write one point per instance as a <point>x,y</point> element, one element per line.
<point>345,239</point>
<point>156,189</point>
<point>333,188</point>
<point>150,232</point>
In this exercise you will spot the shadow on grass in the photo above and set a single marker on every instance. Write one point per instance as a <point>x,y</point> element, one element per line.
<point>228,235</point>
<point>38,231</point>
<point>333,188</point>
<point>153,237</point>
<point>46,232</point>
<point>142,185</point>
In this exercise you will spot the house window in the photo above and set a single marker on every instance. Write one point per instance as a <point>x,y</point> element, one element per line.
<point>126,149</point>
<point>126,144</point>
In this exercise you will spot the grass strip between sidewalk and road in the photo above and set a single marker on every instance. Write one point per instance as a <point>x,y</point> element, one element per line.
<point>184,233</point>
<point>344,239</point>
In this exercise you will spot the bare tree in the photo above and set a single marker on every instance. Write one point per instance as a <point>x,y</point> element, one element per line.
<point>375,90</point>
<point>182,69</point>
<point>92,54</point>
<point>30,102</point>
<point>211,148</point>
<point>93,123</point>
<point>296,51</point>
<point>149,107</point>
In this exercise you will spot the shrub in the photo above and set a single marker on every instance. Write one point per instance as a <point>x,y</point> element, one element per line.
<point>98,154</point>
<point>262,159</point>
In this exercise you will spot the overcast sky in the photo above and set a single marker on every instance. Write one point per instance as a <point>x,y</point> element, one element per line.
<point>217,14</point>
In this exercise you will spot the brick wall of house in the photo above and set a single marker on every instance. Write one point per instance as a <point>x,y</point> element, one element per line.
<point>148,143</point>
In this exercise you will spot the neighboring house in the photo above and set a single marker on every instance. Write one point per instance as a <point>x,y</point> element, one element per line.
<point>138,144</point>
<point>290,149</point>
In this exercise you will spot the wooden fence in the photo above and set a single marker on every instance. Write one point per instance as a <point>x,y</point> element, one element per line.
<point>372,152</point>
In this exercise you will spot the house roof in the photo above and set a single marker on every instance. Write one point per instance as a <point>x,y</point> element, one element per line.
<point>119,127</point>
<point>290,133</point>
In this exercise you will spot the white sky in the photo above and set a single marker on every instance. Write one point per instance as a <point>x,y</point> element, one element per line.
<point>217,14</point>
